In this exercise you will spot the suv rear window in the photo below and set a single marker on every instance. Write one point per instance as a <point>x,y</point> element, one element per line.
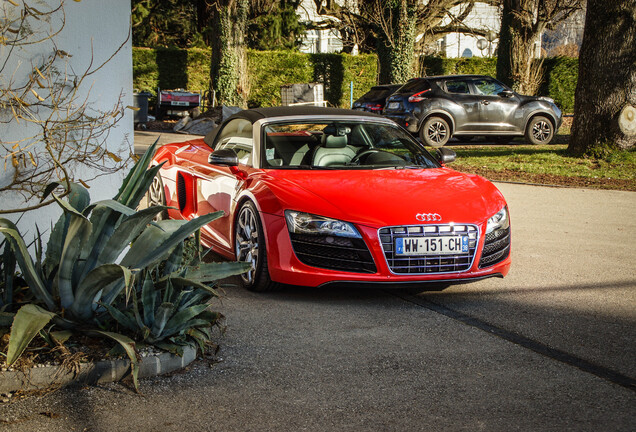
<point>376,93</point>
<point>415,85</point>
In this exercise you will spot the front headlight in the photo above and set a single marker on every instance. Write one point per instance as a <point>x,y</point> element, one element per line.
<point>305,223</point>
<point>499,221</point>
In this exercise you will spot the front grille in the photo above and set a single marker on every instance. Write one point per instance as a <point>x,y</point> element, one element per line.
<point>333,253</point>
<point>496,247</point>
<point>430,263</point>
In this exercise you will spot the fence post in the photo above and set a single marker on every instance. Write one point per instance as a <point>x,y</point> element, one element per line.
<point>351,95</point>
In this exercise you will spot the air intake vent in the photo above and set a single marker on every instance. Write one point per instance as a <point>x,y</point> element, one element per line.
<point>181,192</point>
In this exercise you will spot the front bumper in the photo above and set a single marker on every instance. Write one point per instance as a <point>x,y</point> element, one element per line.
<point>285,267</point>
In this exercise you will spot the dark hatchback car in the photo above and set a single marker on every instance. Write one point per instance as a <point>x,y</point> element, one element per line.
<point>440,107</point>
<point>374,100</point>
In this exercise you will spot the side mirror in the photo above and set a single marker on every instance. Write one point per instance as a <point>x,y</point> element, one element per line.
<point>224,157</point>
<point>506,94</point>
<point>446,155</point>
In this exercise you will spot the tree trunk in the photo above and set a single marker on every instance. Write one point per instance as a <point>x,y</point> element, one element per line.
<point>395,50</point>
<point>515,54</point>
<point>228,69</point>
<point>605,98</point>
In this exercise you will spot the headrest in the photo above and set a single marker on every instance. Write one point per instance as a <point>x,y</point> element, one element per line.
<point>332,141</point>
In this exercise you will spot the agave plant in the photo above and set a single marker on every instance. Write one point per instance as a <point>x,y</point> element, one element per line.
<point>80,277</point>
<point>172,311</point>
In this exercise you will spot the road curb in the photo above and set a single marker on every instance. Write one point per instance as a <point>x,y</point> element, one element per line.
<point>39,378</point>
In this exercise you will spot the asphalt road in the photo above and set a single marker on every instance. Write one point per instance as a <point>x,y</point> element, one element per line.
<point>549,348</point>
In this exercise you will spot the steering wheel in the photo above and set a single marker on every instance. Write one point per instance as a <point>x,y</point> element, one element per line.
<point>356,158</point>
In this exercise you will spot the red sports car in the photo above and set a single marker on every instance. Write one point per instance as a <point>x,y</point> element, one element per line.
<point>316,196</point>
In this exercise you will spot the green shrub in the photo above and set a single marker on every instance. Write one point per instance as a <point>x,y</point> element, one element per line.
<point>269,70</point>
<point>560,78</point>
<point>432,65</point>
<point>170,68</point>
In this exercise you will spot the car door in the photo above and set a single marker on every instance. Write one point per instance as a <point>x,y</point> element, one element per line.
<point>217,186</point>
<point>497,105</point>
<point>464,106</point>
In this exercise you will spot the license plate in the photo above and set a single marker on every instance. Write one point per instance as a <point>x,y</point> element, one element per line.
<point>443,245</point>
<point>394,105</point>
<point>179,103</point>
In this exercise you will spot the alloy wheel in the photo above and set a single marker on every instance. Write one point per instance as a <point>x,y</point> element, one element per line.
<point>247,242</point>
<point>437,132</point>
<point>541,130</point>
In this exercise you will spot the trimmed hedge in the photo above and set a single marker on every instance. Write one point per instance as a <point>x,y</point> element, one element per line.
<point>430,66</point>
<point>269,70</point>
<point>559,82</point>
<point>170,68</point>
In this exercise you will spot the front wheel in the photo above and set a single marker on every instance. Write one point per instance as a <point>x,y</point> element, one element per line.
<point>156,197</point>
<point>250,248</point>
<point>435,132</point>
<point>539,130</point>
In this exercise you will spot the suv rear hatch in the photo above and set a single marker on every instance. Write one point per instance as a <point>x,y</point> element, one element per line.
<point>401,104</point>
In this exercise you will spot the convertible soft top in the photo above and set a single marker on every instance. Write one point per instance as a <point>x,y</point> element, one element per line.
<point>256,114</point>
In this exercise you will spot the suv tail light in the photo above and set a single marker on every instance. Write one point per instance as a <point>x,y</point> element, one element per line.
<point>417,97</point>
<point>373,107</point>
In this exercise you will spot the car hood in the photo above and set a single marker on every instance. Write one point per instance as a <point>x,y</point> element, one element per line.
<point>379,198</point>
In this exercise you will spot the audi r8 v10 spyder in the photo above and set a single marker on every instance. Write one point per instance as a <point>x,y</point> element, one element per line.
<point>315,196</point>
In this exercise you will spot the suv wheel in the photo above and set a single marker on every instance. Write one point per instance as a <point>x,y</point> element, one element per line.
<point>539,130</point>
<point>435,132</point>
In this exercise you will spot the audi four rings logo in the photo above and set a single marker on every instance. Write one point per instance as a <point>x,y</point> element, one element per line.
<point>428,217</point>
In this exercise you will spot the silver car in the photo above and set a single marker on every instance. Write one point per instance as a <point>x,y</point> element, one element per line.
<point>440,107</point>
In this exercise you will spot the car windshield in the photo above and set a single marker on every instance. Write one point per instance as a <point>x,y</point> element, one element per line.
<point>342,145</point>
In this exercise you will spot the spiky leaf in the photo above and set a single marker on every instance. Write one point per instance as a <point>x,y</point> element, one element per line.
<point>23,258</point>
<point>27,323</point>
<point>126,232</point>
<point>206,272</point>
<point>161,318</point>
<point>129,346</point>
<point>153,243</point>
<point>79,230</point>
<point>96,280</point>
<point>148,300</point>
<point>122,318</point>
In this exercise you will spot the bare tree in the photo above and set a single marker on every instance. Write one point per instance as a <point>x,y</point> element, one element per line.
<point>522,22</point>
<point>394,25</point>
<point>45,108</point>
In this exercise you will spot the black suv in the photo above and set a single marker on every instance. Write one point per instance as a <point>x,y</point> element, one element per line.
<point>440,107</point>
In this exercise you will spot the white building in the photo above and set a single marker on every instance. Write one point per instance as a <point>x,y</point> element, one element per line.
<point>93,31</point>
<point>318,41</point>
<point>483,16</point>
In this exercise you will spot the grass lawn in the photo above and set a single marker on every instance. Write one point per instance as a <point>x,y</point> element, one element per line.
<point>547,164</point>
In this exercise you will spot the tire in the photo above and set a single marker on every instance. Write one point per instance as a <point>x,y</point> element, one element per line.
<point>156,197</point>
<point>249,246</point>
<point>539,130</point>
<point>435,132</point>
